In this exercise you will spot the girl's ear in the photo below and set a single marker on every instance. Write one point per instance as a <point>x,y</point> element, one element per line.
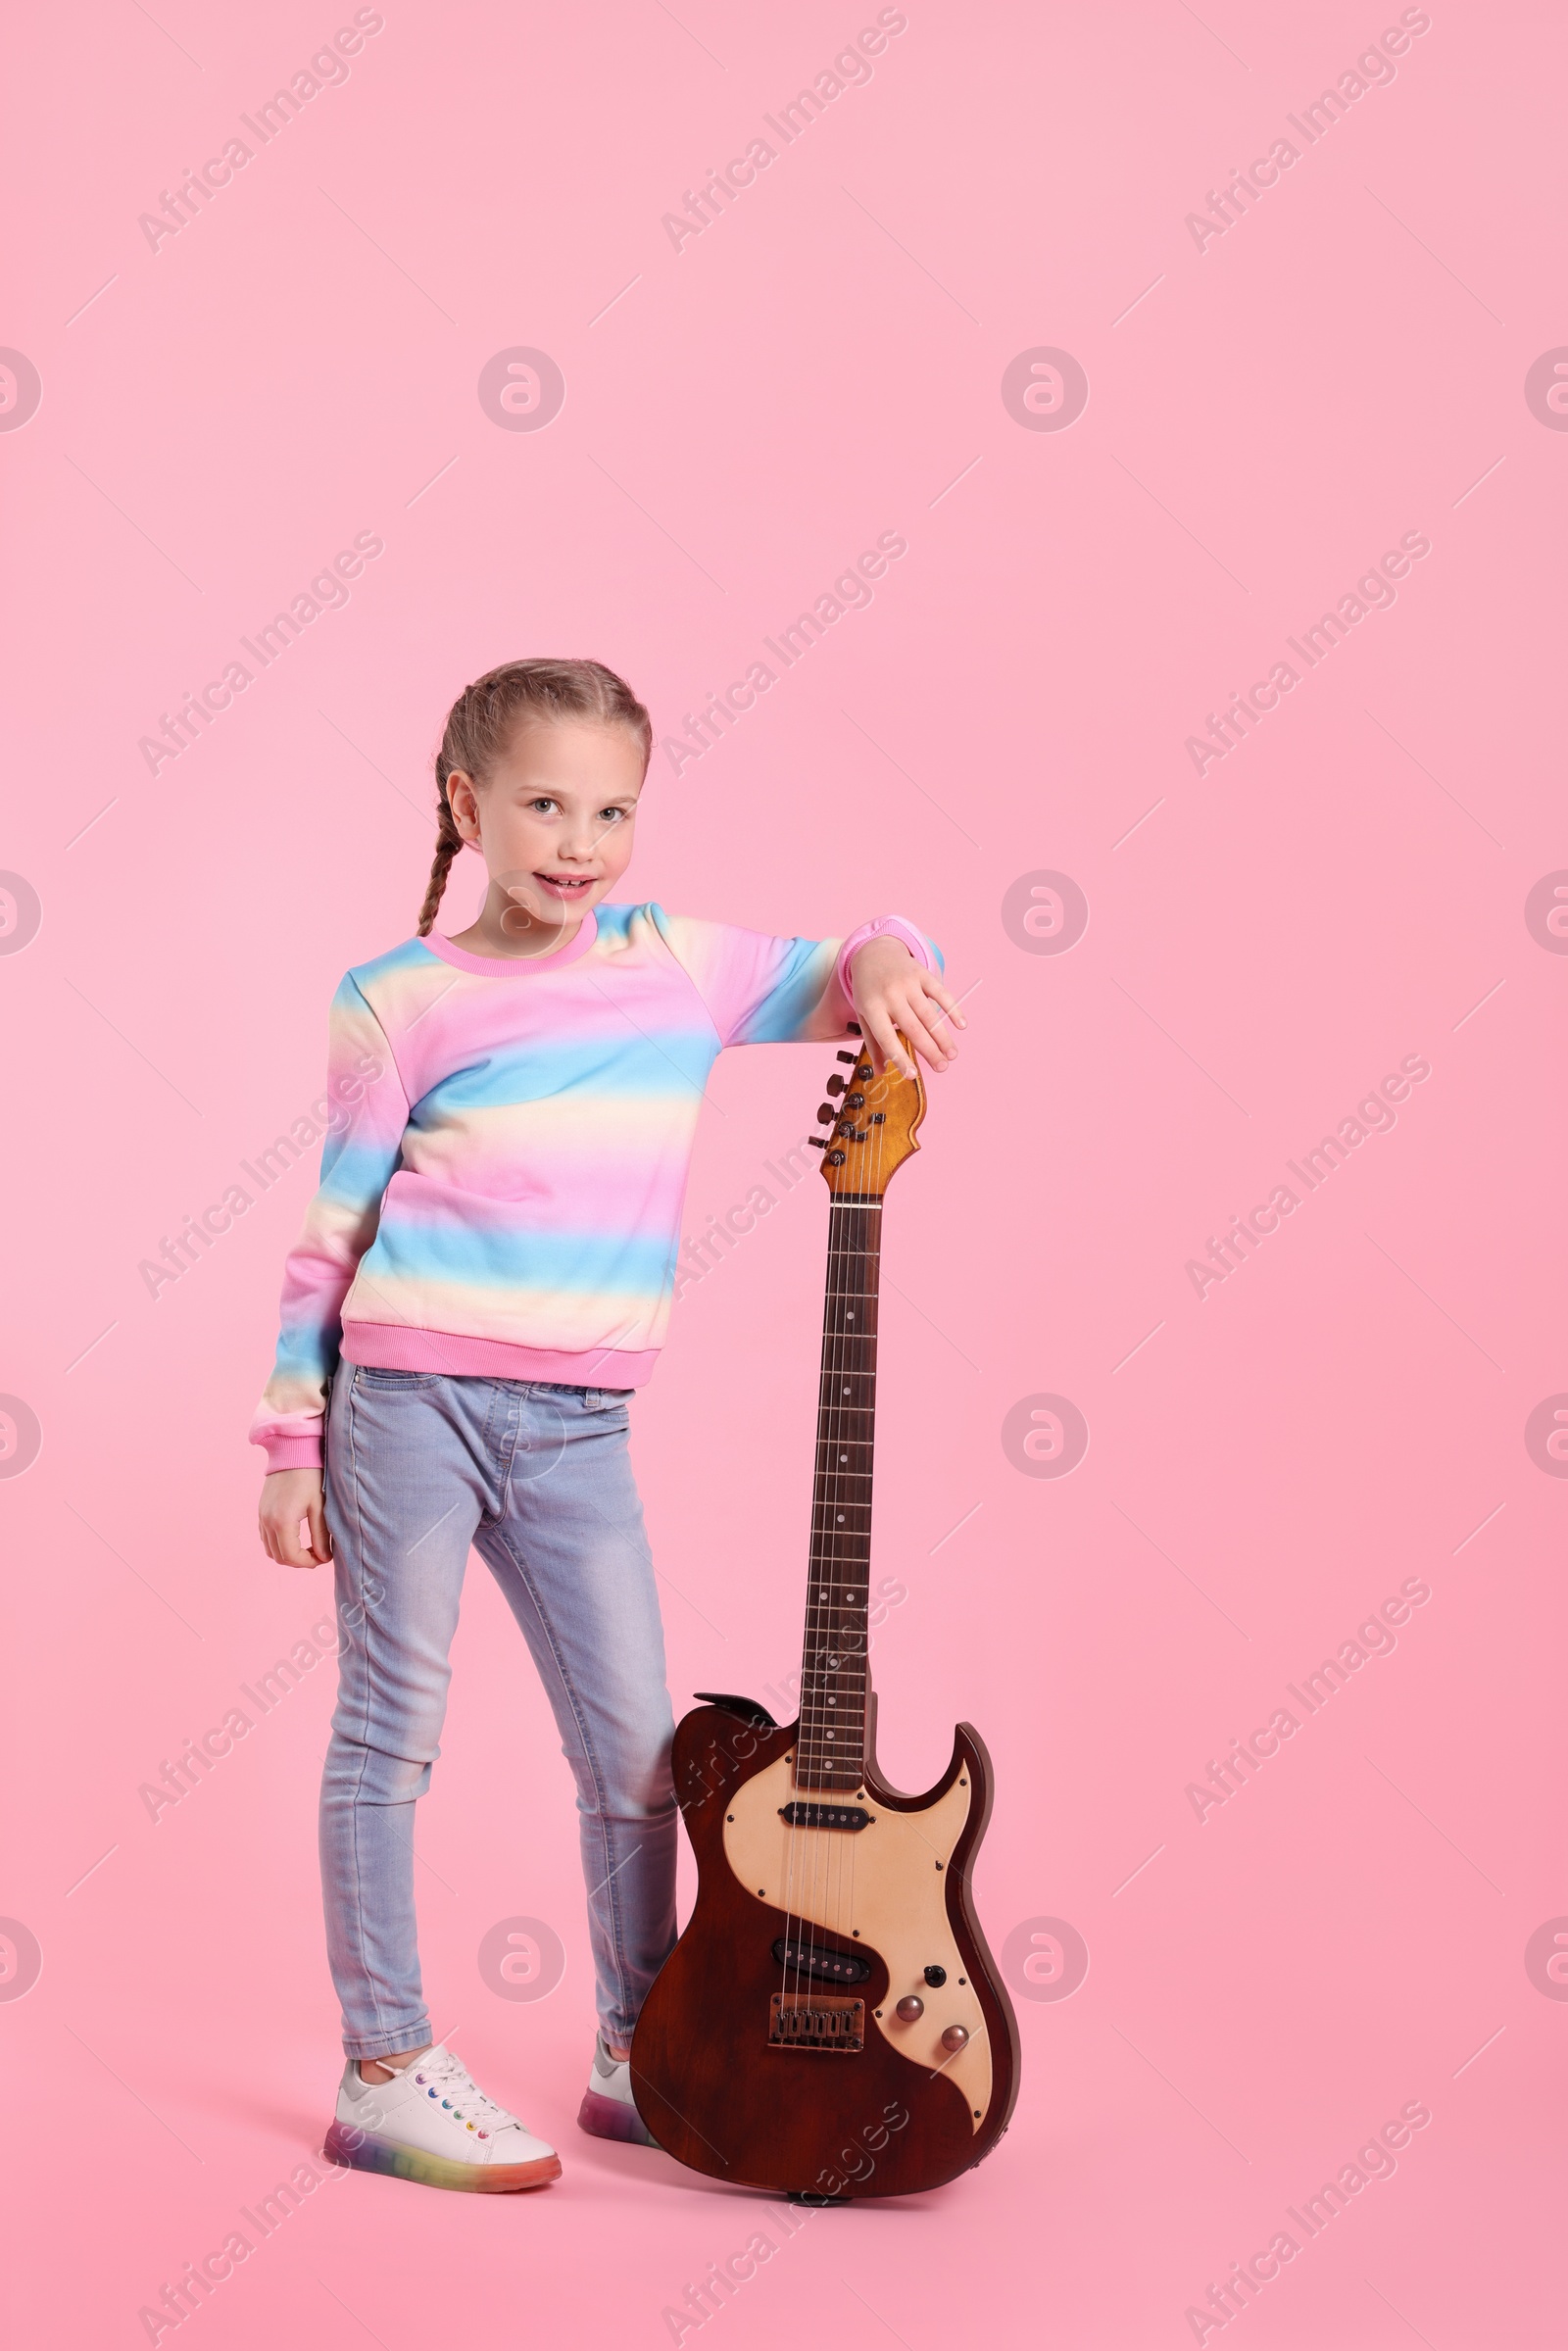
<point>464,802</point>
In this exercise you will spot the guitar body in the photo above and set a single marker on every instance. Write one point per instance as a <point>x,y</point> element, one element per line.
<point>830,2025</point>
<point>897,2114</point>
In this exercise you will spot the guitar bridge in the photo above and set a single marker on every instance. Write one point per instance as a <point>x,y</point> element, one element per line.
<point>815,2021</point>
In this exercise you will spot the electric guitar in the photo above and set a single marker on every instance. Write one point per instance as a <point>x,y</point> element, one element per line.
<point>830,2024</point>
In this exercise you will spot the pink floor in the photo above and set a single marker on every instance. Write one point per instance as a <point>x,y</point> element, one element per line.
<point>1134,438</point>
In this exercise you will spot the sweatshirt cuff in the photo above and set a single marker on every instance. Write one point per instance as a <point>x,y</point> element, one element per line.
<point>290,1453</point>
<point>886,926</point>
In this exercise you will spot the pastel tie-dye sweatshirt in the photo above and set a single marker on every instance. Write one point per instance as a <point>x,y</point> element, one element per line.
<point>507,1153</point>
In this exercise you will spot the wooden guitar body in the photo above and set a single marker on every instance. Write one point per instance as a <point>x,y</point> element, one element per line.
<point>897,2113</point>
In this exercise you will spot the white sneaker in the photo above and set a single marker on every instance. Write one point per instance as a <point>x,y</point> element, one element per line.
<point>607,2109</point>
<point>432,2122</point>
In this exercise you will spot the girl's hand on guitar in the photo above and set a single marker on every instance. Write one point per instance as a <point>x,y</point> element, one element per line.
<point>893,992</point>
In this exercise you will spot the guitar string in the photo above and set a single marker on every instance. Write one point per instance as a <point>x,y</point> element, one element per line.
<point>872,1292</point>
<point>827,1842</point>
<point>860,1219</point>
<point>833,1866</point>
<point>828,1860</point>
<point>831,1851</point>
<point>859,1233</point>
<point>803,1874</point>
<point>791,1842</point>
<point>839,1850</point>
<point>795,1851</point>
<point>812,1857</point>
<point>794,1937</point>
<point>870,1353</point>
<point>813,1708</point>
<point>834,1850</point>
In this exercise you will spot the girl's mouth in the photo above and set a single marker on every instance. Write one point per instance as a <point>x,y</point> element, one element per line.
<point>564,885</point>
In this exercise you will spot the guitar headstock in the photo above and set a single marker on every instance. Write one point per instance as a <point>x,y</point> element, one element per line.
<point>871,1124</point>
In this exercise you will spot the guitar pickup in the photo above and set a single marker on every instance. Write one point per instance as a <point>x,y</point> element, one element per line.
<point>825,1816</point>
<point>815,1959</point>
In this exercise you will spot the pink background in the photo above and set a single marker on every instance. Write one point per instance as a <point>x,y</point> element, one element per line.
<point>1346,363</point>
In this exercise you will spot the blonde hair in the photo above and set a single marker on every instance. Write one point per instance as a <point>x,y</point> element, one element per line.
<point>481,723</point>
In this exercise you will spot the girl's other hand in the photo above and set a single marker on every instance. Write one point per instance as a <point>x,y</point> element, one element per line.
<point>289,1498</point>
<point>893,992</point>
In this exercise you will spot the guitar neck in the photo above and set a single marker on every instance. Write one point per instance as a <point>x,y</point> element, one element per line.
<point>835,1680</point>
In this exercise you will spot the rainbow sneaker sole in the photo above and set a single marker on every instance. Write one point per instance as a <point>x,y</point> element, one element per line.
<point>362,2151</point>
<point>608,2118</point>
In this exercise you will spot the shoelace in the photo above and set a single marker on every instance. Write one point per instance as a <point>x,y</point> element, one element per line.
<point>448,2081</point>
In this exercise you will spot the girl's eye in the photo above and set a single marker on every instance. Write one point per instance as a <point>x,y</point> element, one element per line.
<point>542,803</point>
<point>612,815</point>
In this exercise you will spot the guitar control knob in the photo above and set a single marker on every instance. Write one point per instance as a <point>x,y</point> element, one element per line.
<point>954,2038</point>
<point>936,1977</point>
<point>910,2011</point>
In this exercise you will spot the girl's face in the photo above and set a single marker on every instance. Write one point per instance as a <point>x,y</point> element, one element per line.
<point>554,818</point>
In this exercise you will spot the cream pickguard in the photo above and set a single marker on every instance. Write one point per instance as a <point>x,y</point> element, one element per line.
<point>881,1885</point>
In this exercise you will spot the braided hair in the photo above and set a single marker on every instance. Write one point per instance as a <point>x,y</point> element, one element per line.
<point>481,723</point>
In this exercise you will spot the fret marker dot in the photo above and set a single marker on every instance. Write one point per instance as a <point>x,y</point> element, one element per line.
<point>843,1392</point>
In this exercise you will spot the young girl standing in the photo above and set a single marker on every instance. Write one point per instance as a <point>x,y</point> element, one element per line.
<point>483,1277</point>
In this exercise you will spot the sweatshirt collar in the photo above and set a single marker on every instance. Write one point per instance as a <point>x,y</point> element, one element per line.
<point>514,967</point>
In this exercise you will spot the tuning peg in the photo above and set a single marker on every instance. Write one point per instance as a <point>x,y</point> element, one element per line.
<point>819,1143</point>
<point>825,1115</point>
<point>853,1028</point>
<point>836,1084</point>
<point>846,1057</point>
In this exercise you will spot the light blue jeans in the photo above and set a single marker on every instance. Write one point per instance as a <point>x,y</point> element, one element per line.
<point>536,1478</point>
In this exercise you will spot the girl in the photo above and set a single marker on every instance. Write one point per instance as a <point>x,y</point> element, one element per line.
<point>482,1279</point>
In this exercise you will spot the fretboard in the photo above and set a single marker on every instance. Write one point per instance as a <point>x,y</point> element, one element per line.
<point>830,1748</point>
